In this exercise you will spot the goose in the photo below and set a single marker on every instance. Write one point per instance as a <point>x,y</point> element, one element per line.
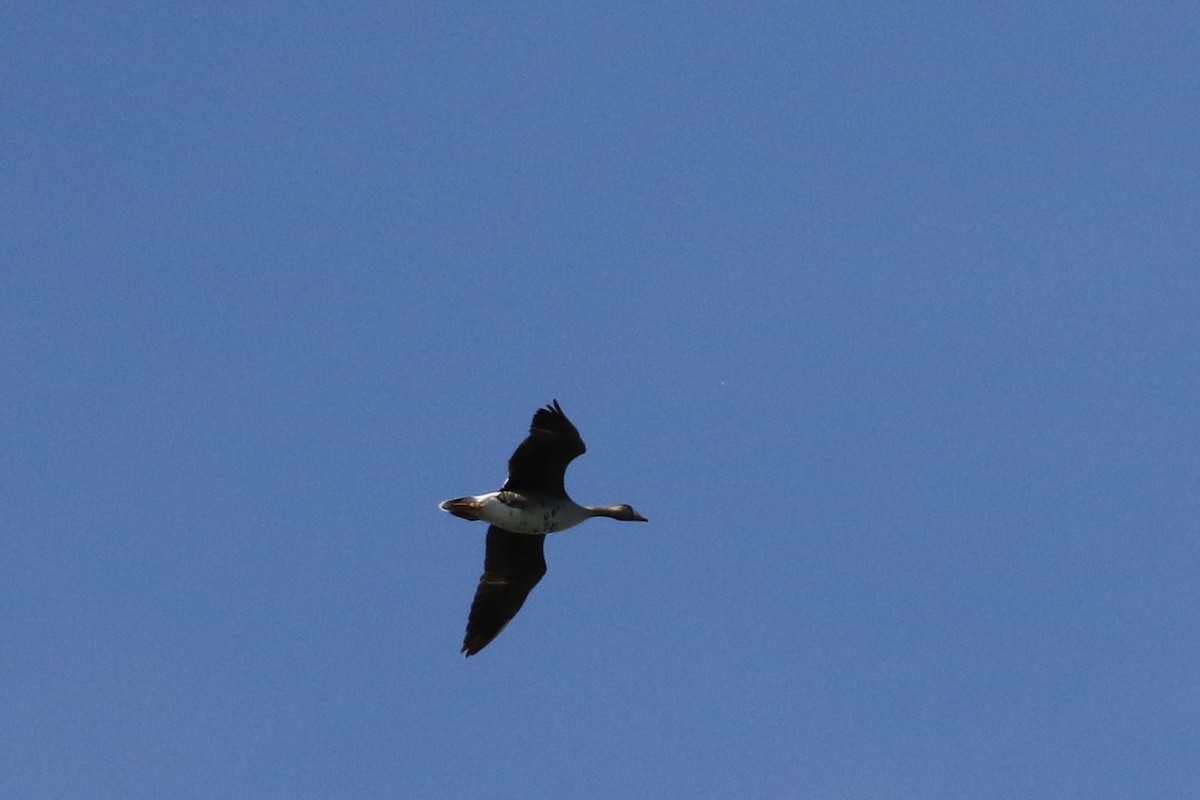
<point>532,503</point>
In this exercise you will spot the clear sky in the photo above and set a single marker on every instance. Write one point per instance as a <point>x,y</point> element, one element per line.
<point>885,317</point>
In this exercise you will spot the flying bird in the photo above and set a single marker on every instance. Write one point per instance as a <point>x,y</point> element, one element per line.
<point>532,503</point>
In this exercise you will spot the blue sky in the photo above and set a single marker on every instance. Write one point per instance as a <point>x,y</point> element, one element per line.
<point>885,317</point>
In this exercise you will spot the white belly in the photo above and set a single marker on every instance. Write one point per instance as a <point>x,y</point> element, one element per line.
<point>534,517</point>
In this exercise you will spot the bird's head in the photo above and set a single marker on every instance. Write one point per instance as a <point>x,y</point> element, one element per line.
<point>626,513</point>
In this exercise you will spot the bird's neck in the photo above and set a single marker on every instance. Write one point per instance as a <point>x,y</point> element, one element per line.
<point>603,511</point>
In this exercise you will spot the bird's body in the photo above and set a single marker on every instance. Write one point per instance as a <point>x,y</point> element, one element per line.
<point>532,503</point>
<point>527,512</point>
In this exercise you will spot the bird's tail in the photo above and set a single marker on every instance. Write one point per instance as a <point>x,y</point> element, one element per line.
<point>465,507</point>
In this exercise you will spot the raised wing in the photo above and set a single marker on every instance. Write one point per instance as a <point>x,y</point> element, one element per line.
<point>539,463</point>
<point>512,566</point>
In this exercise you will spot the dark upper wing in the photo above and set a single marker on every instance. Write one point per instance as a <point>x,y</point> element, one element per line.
<point>512,567</point>
<point>539,462</point>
